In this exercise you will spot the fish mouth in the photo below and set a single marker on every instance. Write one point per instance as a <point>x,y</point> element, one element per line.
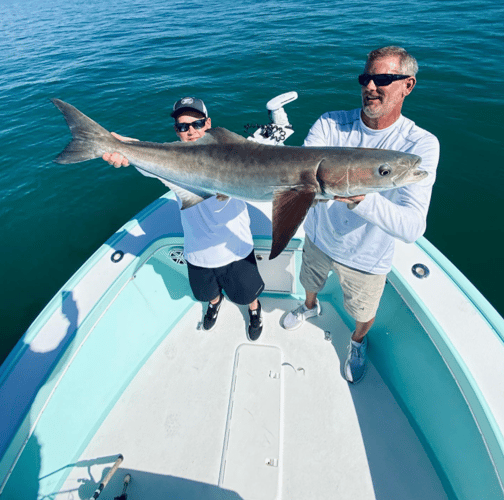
<point>410,176</point>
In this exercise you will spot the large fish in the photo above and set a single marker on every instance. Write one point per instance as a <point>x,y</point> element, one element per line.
<point>226,163</point>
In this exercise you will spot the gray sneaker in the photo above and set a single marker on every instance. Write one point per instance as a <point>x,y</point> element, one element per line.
<point>297,317</point>
<point>355,364</point>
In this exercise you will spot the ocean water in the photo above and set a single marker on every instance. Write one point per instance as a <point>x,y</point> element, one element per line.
<point>125,62</point>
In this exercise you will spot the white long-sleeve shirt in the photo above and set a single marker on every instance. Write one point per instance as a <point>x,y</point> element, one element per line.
<point>363,238</point>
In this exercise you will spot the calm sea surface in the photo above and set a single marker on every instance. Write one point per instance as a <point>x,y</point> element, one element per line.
<point>125,62</point>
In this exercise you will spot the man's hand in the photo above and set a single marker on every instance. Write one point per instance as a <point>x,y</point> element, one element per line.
<point>116,159</point>
<point>351,201</point>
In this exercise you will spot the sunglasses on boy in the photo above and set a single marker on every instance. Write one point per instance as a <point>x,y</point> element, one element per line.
<point>184,127</point>
<point>380,80</point>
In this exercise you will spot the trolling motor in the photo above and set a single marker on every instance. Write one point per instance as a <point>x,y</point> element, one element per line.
<point>279,128</point>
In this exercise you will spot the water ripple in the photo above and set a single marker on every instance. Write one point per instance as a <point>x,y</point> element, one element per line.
<point>125,62</point>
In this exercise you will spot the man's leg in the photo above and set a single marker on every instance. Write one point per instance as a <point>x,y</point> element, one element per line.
<point>361,330</point>
<point>315,268</point>
<point>311,299</point>
<point>362,292</point>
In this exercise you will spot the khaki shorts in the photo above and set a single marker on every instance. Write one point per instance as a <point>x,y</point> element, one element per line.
<point>361,291</point>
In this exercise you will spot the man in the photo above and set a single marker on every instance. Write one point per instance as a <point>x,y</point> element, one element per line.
<point>355,236</point>
<point>218,244</point>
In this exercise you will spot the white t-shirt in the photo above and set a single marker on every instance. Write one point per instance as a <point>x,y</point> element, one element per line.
<point>363,238</point>
<point>216,233</point>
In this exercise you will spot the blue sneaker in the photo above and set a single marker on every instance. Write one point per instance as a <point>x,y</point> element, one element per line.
<point>355,364</point>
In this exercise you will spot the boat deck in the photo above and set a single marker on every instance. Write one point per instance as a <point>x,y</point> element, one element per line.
<point>211,415</point>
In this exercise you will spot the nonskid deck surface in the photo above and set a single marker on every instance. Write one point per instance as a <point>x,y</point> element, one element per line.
<point>211,415</point>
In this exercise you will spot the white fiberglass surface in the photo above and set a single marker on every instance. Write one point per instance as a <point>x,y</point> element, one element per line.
<point>212,415</point>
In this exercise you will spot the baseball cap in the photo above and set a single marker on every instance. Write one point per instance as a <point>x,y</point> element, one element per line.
<point>189,103</point>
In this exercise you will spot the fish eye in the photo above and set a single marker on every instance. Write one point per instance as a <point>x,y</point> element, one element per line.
<point>384,170</point>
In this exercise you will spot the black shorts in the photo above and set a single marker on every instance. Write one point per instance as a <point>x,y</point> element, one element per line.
<point>240,280</point>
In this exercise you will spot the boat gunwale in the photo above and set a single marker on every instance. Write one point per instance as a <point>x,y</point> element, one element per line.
<point>16,443</point>
<point>480,303</point>
<point>469,388</point>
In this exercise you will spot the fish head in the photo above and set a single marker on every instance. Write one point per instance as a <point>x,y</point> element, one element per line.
<point>407,172</point>
<point>370,171</point>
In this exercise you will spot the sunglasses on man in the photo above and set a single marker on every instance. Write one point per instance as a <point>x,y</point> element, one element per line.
<point>184,127</point>
<point>380,80</point>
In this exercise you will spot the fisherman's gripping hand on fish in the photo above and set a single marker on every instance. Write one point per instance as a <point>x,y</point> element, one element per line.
<point>218,245</point>
<point>358,243</point>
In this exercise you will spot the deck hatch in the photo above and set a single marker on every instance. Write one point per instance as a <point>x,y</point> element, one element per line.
<point>250,459</point>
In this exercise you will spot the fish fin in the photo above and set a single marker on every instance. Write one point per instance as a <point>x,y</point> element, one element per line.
<point>219,135</point>
<point>188,199</point>
<point>289,210</point>
<point>90,140</point>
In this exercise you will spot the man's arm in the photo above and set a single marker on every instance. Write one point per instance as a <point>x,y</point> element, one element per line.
<point>404,213</point>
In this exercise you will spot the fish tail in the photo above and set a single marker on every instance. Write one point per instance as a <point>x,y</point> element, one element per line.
<point>90,140</point>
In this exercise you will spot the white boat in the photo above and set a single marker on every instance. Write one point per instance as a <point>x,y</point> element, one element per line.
<point>117,364</point>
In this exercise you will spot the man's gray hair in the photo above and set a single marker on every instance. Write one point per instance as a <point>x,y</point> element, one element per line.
<point>409,65</point>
